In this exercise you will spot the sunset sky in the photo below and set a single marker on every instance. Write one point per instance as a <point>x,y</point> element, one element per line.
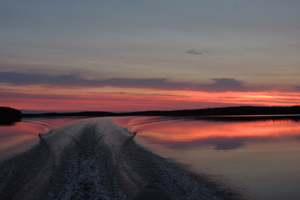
<point>148,55</point>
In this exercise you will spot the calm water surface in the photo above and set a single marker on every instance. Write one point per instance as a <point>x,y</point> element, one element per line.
<point>260,156</point>
<point>23,135</point>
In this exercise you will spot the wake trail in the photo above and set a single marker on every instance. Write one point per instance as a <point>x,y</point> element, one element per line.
<point>97,159</point>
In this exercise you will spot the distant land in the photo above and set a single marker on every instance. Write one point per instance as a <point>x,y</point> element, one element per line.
<point>240,110</point>
<point>9,115</point>
<point>241,113</point>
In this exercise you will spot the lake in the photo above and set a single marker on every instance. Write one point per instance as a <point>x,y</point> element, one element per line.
<point>23,135</point>
<point>261,156</point>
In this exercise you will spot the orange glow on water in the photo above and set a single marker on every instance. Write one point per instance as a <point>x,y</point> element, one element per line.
<point>13,137</point>
<point>22,135</point>
<point>258,154</point>
<point>188,131</point>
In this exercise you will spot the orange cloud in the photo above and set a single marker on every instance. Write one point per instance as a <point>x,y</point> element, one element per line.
<point>131,99</point>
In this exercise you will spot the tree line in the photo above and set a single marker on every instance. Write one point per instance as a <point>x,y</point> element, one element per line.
<point>9,115</point>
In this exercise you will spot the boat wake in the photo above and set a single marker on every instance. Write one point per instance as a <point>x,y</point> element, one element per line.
<point>97,159</point>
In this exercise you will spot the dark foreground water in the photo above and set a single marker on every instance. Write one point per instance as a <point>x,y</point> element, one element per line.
<point>98,159</point>
<point>261,156</point>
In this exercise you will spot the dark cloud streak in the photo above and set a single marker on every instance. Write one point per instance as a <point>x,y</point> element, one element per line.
<point>193,52</point>
<point>297,88</point>
<point>74,80</point>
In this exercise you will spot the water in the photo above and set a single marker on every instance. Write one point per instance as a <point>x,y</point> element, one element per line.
<point>23,135</point>
<point>96,159</point>
<point>260,156</point>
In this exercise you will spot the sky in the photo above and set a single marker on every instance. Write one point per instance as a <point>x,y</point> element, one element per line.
<point>148,55</point>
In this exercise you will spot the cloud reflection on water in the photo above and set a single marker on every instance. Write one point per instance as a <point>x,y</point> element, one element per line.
<point>185,134</point>
<point>23,135</point>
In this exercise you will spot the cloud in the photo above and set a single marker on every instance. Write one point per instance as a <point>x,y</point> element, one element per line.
<point>225,84</point>
<point>297,88</point>
<point>74,80</point>
<point>193,52</point>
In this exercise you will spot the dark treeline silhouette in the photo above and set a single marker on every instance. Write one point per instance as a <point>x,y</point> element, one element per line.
<point>231,114</point>
<point>236,118</point>
<point>8,116</point>
<point>241,113</point>
<point>241,110</point>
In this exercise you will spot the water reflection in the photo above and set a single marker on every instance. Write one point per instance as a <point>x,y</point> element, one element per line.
<point>186,133</point>
<point>22,135</point>
<point>7,123</point>
<point>261,156</point>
